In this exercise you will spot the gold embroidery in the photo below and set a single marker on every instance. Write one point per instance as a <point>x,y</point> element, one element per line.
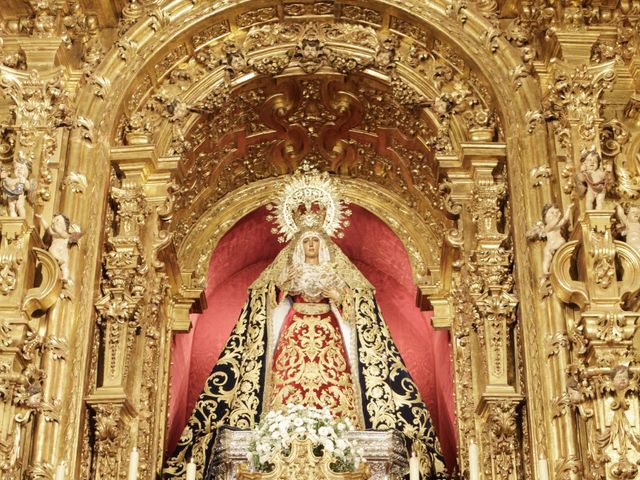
<point>245,397</point>
<point>389,405</point>
<point>312,308</point>
<point>381,361</point>
<point>311,368</point>
<point>242,358</point>
<point>340,263</point>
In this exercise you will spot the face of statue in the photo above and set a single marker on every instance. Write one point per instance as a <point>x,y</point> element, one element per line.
<point>311,247</point>
<point>591,163</point>
<point>552,215</point>
<point>58,224</point>
<point>575,397</point>
<point>621,379</point>
<point>21,171</point>
<point>634,214</point>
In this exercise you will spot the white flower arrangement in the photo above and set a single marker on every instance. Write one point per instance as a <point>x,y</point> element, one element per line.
<point>278,429</point>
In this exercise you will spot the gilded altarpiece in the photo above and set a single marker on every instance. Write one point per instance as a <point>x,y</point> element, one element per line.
<point>498,139</point>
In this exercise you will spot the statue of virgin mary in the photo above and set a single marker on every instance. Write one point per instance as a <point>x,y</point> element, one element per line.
<point>311,334</point>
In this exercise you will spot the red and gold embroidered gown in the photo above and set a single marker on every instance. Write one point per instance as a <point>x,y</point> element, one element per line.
<point>310,364</point>
<point>306,350</point>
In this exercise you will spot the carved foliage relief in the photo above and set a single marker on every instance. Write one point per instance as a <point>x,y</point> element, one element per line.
<point>369,92</point>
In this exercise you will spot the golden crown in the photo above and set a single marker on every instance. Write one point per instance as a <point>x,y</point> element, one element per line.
<point>308,201</point>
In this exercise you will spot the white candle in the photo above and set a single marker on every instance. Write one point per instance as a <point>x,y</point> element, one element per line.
<point>133,465</point>
<point>191,470</point>
<point>474,461</point>
<point>60,471</point>
<point>414,467</point>
<point>543,469</point>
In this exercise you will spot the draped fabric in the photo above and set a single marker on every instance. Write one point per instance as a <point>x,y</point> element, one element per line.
<point>310,365</point>
<point>235,392</point>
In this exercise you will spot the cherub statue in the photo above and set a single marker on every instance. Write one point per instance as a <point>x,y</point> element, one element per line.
<point>311,52</point>
<point>574,395</point>
<point>551,229</point>
<point>592,180</point>
<point>16,187</point>
<point>235,63</point>
<point>631,221</point>
<point>59,237</point>
<point>385,57</point>
<point>619,377</point>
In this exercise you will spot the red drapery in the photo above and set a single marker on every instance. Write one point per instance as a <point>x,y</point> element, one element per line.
<point>373,247</point>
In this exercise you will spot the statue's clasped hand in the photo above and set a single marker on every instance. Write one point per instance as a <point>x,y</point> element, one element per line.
<point>293,273</point>
<point>332,293</point>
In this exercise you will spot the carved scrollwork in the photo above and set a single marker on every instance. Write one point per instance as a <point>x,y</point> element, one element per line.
<point>568,289</point>
<point>556,342</point>
<point>389,95</point>
<point>500,438</point>
<point>44,296</point>
<point>603,253</point>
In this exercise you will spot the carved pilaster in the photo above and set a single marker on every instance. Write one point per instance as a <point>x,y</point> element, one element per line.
<point>599,275</point>
<point>129,311</point>
<point>123,289</point>
<point>496,306</point>
<point>491,263</point>
<point>111,418</point>
<point>124,285</point>
<point>26,345</point>
<point>42,109</point>
<point>500,439</point>
<point>483,305</point>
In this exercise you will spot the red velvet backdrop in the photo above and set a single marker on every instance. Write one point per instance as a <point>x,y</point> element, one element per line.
<point>373,247</point>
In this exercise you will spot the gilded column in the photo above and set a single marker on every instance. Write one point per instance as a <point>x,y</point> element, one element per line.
<point>491,264</point>
<point>130,314</point>
<point>593,322</point>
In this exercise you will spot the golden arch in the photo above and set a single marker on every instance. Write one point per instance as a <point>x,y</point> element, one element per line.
<point>420,243</point>
<point>130,64</point>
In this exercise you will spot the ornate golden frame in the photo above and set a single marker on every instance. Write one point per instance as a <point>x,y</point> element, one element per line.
<point>506,124</point>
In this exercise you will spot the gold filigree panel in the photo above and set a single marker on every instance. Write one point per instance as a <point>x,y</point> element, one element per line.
<point>189,87</point>
<point>353,128</point>
<point>449,92</point>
